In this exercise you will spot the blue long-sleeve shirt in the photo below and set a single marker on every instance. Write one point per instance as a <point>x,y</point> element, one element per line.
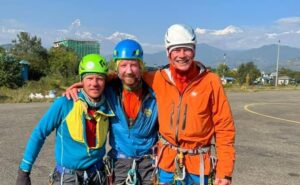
<point>137,140</point>
<point>68,119</point>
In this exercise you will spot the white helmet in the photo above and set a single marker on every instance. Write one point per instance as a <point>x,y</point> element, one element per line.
<point>179,34</point>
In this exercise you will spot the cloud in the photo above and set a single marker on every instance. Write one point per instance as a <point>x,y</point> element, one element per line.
<point>118,36</point>
<point>9,29</point>
<point>63,31</point>
<point>245,37</point>
<point>271,35</point>
<point>84,35</point>
<point>75,31</point>
<point>152,48</point>
<point>200,31</point>
<point>288,21</point>
<point>75,24</point>
<point>222,32</point>
<point>226,31</point>
<point>230,37</point>
<point>13,23</point>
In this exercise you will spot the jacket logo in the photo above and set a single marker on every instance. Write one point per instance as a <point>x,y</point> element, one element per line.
<point>148,112</point>
<point>193,93</point>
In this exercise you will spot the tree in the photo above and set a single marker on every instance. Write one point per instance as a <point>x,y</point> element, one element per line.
<point>63,61</point>
<point>31,49</point>
<point>2,51</point>
<point>223,70</point>
<point>10,72</point>
<point>290,73</point>
<point>247,73</point>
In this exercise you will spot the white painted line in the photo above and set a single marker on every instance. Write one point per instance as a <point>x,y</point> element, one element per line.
<point>246,107</point>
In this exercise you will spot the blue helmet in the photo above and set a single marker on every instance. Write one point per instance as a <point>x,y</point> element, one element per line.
<point>128,49</point>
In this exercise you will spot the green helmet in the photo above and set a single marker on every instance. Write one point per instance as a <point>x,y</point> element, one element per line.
<point>93,63</point>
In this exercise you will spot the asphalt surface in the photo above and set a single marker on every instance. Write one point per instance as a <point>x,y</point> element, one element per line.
<point>267,139</point>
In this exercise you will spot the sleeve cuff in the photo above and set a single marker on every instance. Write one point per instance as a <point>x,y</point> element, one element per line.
<point>25,166</point>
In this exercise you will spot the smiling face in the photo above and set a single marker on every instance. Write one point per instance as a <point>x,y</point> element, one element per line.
<point>181,58</point>
<point>129,71</point>
<point>93,86</point>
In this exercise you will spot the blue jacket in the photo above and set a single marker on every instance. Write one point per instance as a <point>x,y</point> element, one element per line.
<point>71,149</point>
<point>137,140</point>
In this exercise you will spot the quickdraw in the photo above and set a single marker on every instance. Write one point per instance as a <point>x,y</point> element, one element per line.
<point>109,170</point>
<point>179,174</point>
<point>131,175</point>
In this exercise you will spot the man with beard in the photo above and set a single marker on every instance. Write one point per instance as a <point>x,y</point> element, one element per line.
<point>133,131</point>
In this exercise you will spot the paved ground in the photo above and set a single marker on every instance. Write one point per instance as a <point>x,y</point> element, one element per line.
<point>268,148</point>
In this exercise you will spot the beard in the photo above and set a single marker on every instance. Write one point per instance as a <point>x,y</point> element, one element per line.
<point>130,80</point>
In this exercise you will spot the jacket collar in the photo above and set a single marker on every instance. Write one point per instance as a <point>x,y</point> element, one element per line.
<point>166,72</point>
<point>104,108</point>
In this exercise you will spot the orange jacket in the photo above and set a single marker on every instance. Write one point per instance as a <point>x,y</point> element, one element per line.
<point>192,119</point>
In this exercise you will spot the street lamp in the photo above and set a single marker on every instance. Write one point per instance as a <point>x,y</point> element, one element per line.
<point>278,50</point>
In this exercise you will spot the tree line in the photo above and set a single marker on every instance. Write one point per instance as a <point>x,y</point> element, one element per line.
<point>59,62</point>
<point>62,62</point>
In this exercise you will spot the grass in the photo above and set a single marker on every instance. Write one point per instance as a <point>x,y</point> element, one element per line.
<point>43,86</point>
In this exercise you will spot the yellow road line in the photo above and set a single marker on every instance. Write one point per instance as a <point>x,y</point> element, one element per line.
<point>272,117</point>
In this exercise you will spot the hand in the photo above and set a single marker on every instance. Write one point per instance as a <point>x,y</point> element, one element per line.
<point>219,181</point>
<point>23,178</point>
<point>71,92</point>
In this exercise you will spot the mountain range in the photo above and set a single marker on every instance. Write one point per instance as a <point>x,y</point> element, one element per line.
<point>265,57</point>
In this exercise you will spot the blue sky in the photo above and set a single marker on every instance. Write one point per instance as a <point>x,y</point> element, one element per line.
<point>226,24</point>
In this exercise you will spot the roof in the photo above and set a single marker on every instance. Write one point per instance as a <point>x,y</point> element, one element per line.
<point>284,78</point>
<point>24,62</point>
<point>76,40</point>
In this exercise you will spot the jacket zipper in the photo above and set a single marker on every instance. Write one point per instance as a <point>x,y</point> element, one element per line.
<point>177,120</point>
<point>179,106</point>
<point>171,116</point>
<point>184,117</point>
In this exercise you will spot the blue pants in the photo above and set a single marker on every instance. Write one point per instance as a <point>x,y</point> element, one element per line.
<point>168,178</point>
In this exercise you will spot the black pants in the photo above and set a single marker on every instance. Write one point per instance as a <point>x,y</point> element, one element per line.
<point>78,178</point>
<point>144,170</point>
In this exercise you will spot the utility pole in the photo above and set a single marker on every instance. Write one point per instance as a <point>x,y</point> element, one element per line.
<point>278,50</point>
<point>224,64</point>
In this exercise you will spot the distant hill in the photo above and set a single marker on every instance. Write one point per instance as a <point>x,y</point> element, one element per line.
<point>6,46</point>
<point>265,57</point>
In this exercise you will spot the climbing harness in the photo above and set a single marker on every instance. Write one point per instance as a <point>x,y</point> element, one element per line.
<point>132,174</point>
<point>180,172</point>
<point>83,176</point>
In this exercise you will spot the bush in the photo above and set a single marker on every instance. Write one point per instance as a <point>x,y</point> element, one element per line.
<point>10,72</point>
